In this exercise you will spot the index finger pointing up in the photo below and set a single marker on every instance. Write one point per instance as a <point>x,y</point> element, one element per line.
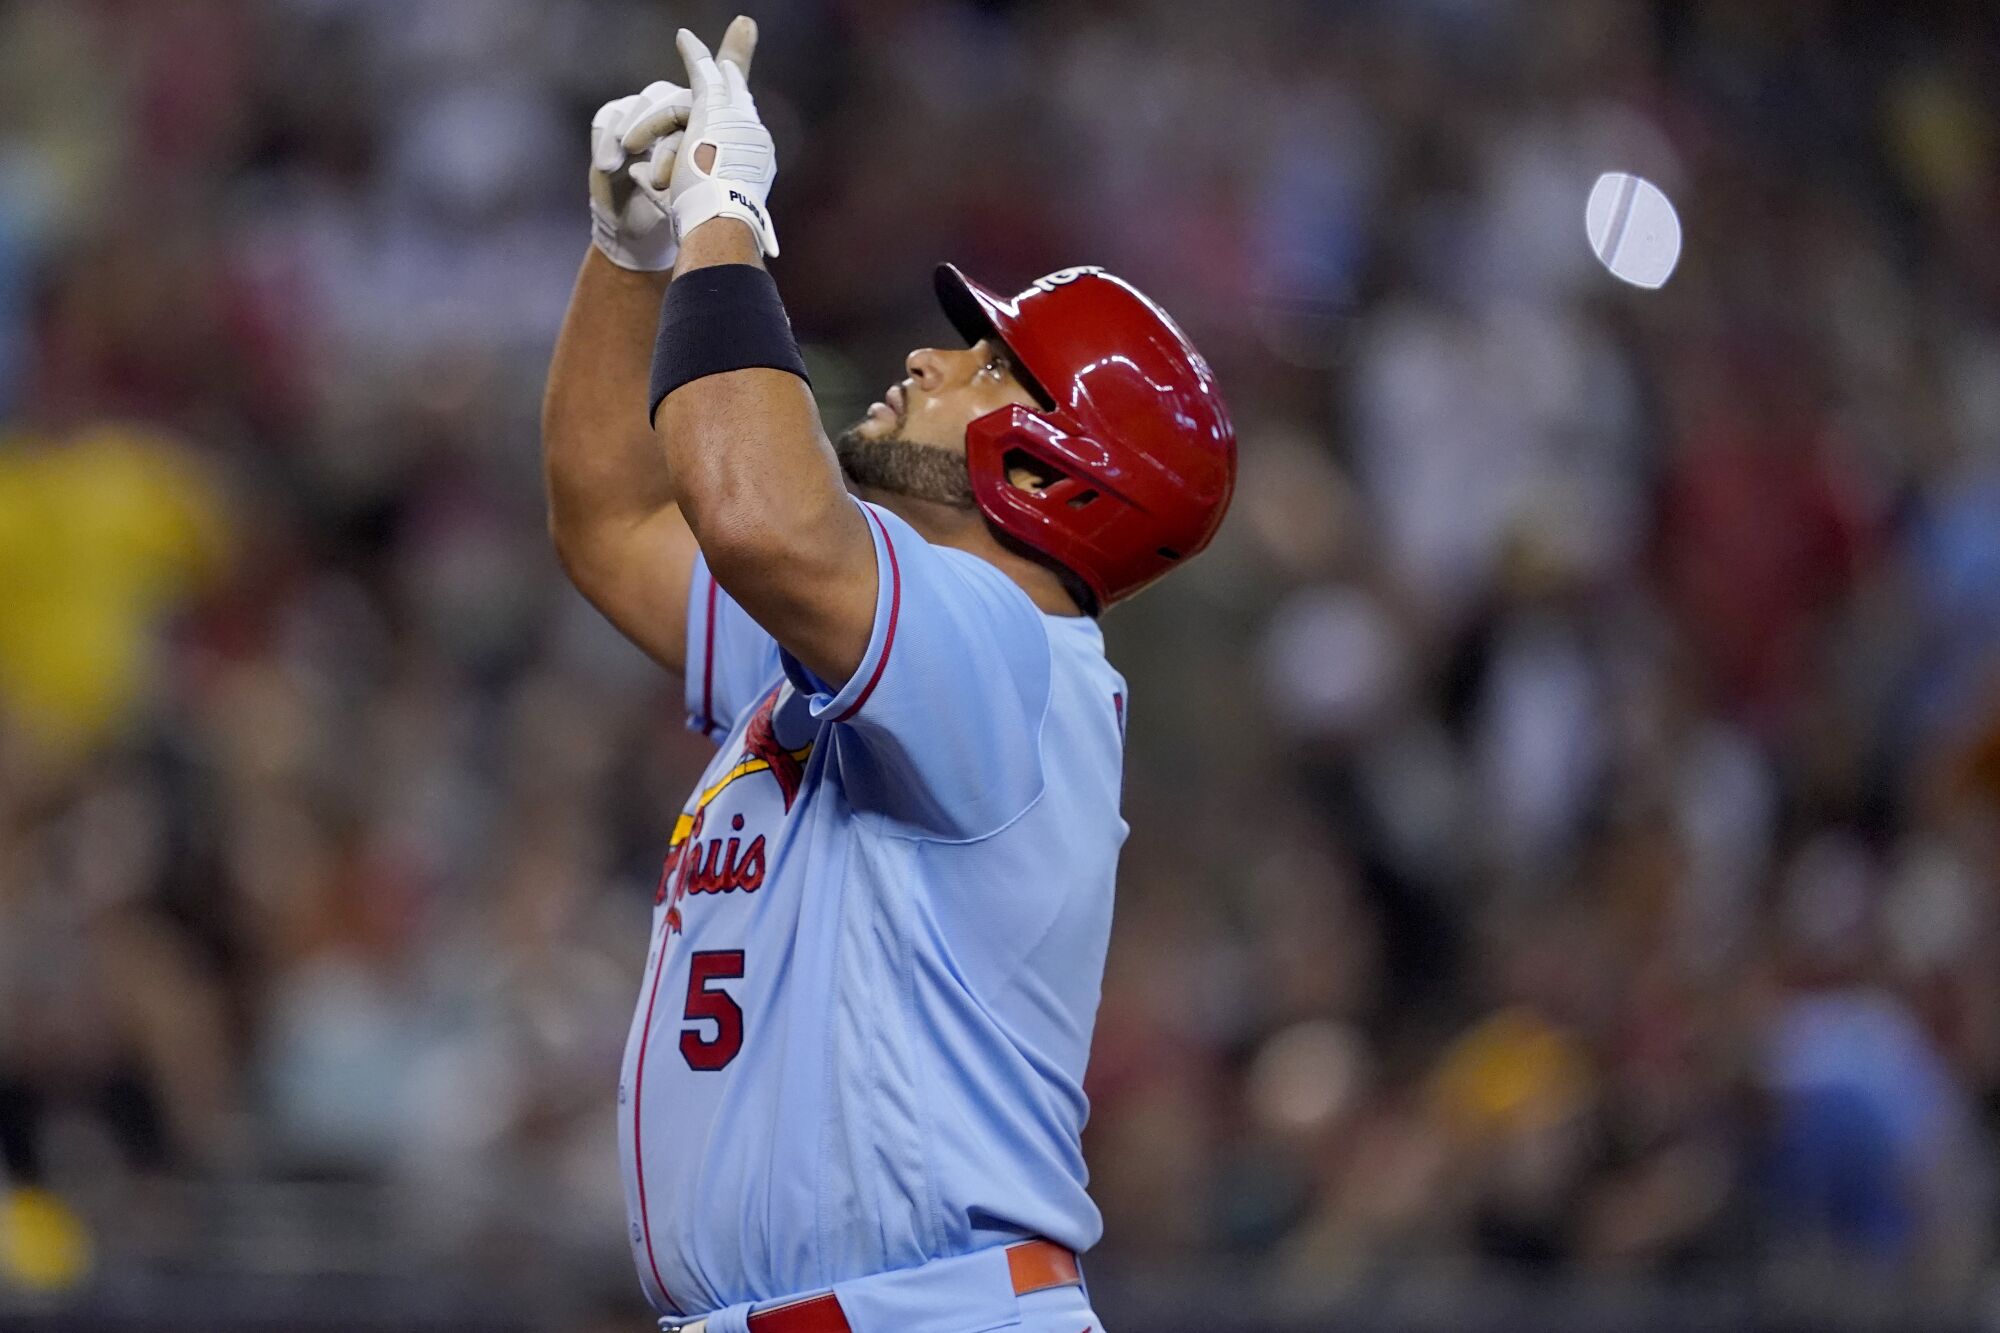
<point>703,76</point>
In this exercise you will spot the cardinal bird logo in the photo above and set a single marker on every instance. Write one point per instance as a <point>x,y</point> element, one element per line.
<point>734,860</point>
<point>760,743</point>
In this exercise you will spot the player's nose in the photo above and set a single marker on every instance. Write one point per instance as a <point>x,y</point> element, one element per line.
<point>930,367</point>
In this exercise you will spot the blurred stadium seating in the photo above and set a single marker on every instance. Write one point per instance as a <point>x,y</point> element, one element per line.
<point>1562,888</point>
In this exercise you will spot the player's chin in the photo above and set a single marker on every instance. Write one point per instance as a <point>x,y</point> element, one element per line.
<point>863,431</point>
<point>885,462</point>
<point>852,445</point>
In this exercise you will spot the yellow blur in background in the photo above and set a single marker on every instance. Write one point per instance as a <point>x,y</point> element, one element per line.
<point>101,536</point>
<point>43,1244</point>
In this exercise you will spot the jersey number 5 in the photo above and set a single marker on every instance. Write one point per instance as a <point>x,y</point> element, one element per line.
<point>715,1005</point>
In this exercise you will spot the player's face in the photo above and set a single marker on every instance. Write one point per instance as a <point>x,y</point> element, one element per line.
<point>912,442</point>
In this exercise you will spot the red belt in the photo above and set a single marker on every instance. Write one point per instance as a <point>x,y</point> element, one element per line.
<point>1035,1265</point>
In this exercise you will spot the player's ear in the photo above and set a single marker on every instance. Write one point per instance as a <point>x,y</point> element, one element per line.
<point>1024,476</point>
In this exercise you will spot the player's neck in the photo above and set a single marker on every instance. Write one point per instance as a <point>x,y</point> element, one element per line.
<point>965,530</point>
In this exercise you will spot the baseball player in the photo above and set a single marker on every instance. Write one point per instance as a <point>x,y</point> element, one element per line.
<point>852,1096</point>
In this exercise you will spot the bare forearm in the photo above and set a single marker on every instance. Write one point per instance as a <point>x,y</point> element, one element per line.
<point>599,458</point>
<point>611,503</point>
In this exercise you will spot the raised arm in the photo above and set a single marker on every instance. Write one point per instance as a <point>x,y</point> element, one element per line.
<point>758,483</point>
<point>612,515</point>
<point>752,470</point>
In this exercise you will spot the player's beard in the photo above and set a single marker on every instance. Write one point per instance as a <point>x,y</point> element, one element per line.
<point>904,467</point>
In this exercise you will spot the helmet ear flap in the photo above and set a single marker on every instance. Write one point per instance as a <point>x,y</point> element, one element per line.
<point>1045,520</point>
<point>987,441</point>
<point>1011,430</point>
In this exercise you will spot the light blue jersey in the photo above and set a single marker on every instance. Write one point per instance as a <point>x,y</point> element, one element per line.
<point>878,943</point>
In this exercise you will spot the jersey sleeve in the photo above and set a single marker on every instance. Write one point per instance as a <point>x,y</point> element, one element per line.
<point>947,704</point>
<point>730,659</point>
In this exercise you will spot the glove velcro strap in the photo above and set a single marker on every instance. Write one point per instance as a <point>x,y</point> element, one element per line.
<point>716,197</point>
<point>715,320</point>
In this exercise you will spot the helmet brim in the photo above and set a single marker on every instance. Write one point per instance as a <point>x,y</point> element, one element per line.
<point>978,312</point>
<point>973,310</point>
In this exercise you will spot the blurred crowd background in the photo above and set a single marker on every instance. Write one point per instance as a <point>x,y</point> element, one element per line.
<point>1564,800</point>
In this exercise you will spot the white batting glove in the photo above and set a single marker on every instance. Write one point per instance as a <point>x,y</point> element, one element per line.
<point>630,138</point>
<point>724,118</point>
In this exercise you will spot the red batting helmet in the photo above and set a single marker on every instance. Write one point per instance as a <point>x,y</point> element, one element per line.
<point>1132,429</point>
